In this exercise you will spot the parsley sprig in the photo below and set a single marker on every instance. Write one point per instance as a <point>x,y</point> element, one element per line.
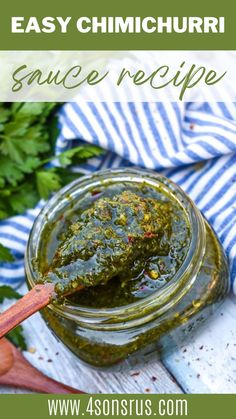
<point>5,256</point>
<point>28,132</point>
<point>16,335</point>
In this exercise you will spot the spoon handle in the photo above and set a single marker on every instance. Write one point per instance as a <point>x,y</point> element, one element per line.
<point>36,299</point>
<point>40,384</point>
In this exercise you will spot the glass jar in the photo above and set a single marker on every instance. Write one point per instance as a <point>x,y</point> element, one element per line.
<point>165,318</point>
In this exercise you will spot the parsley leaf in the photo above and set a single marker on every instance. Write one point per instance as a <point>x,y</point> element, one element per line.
<point>5,256</point>
<point>17,338</point>
<point>23,198</point>
<point>47,182</point>
<point>81,153</point>
<point>9,293</point>
<point>16,335</point>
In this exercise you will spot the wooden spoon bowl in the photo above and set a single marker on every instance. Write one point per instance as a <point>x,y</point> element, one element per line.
<point>6,357</point>
<point>16,371</point>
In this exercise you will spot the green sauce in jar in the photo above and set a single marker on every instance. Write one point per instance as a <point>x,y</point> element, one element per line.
<point>121,243</point>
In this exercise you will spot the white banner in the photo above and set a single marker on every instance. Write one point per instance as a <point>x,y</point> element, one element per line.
<point>118,76</point>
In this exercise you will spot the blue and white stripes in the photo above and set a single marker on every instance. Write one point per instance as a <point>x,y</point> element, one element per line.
<point>192,143</point>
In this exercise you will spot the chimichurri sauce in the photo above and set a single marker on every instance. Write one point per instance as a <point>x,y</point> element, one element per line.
<point>121,242</point>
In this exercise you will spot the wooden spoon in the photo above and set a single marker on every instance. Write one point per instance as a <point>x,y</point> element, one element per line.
<point>36,299</point>
<point>16,371</point>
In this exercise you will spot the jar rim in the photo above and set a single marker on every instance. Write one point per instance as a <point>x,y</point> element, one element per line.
<point>162,299</point>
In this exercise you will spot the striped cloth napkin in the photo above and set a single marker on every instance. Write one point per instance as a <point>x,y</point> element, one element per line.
<point>194,144</point>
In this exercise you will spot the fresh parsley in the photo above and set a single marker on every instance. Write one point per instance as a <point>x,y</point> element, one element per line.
<point>5,255</point>
<point>28,133</point>
<point>8,293</point>
<point>16,336</point>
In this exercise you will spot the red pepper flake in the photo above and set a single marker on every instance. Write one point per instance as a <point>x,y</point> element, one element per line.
<point>149,234</point>
<point>192,126</point>
<point>95,192</point>
<point>130,239</point>
<point>135,374</point>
